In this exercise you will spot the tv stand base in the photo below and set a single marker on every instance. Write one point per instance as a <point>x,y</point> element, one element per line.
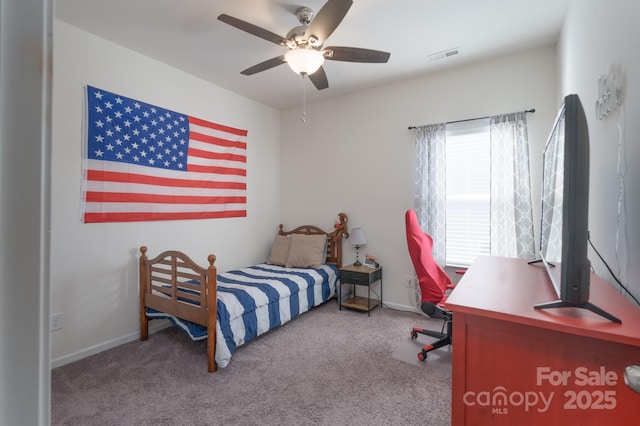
<point>589,306</point>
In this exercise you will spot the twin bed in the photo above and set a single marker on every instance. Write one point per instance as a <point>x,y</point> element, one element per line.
<point>231,308</point>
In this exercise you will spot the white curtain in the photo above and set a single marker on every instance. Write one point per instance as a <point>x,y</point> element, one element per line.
<point>511,208</point>
<point>430,189</point>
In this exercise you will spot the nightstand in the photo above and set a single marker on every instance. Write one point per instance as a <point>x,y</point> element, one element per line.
<point>360,276</point>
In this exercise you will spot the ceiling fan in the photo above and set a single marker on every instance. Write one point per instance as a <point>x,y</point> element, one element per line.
<point>305,42</point>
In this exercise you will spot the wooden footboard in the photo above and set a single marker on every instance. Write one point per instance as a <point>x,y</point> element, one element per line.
<point>174,284</point>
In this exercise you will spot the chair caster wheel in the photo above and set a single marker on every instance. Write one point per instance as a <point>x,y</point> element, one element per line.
<point>414,335</point>
<point>422,356</point>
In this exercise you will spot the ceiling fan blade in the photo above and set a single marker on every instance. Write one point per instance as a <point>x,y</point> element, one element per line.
<point>252,29</point>
<point>263,66</point>
<point>355,54</point>
<point>327,19</point>
<point>319,79</point>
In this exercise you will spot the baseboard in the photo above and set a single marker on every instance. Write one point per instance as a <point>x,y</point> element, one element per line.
<point>399,307</point>
<point>154,327</point>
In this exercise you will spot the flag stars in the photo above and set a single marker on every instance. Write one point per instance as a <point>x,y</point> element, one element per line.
<point>127,131</point>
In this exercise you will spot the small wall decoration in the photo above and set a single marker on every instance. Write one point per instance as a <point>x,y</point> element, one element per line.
<point>142,162</point>
<point>609,94</point>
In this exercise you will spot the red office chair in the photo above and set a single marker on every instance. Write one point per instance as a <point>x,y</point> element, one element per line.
<point>434,283</point>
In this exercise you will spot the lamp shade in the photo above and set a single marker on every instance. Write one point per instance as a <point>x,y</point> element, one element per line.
<point>304,61</point>
<point>357,237</point>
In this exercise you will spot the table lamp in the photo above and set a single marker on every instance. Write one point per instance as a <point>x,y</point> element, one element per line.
<point>357,239</point>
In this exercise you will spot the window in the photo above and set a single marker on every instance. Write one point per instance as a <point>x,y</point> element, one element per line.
<point>468,191</point>
<point>473,189</point>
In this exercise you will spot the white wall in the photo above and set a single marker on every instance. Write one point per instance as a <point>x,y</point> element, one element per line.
<point>94,266</point>
<point>25,158</point>
<point>597,37</point>
<point>354,154</point>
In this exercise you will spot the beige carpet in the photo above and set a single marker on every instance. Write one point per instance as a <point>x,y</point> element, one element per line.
<point>328,367</point>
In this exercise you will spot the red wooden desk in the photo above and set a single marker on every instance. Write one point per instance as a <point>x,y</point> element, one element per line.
<point>513,364</point>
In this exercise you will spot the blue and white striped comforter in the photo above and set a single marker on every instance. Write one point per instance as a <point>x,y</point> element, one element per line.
<point>256,299</point>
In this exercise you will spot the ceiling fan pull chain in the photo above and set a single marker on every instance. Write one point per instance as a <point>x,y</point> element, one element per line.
<point>304,100</point>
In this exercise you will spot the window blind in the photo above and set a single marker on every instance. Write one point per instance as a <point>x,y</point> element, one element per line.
<point>468,172</point>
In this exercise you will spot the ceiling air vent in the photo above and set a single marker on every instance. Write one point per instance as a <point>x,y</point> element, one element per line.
<point>443,55</point>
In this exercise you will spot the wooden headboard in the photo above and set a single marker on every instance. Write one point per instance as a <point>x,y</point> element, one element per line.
<point>334,238</point>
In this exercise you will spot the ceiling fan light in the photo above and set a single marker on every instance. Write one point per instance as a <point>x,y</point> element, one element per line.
<point>304,61</point>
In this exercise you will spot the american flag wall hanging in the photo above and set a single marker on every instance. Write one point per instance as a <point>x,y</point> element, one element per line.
<point>142,163</point>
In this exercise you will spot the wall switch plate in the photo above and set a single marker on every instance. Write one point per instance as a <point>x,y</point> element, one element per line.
<point>56,322</point>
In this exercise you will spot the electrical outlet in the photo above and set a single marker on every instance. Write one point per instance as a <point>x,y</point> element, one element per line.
<point>410,280</point>
<point>56,322</point>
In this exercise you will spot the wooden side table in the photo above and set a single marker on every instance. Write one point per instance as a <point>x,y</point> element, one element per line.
<point>362,276</point>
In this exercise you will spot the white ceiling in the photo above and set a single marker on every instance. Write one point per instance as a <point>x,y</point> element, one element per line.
<point>187,35</point>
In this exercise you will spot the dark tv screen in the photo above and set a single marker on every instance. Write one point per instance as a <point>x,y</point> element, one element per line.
<point>564,228</point>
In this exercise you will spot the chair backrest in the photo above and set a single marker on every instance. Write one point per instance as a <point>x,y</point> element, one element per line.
<point>432,278</point>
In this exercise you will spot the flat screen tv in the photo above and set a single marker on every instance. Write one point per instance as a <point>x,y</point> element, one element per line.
<point>565,209</point>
